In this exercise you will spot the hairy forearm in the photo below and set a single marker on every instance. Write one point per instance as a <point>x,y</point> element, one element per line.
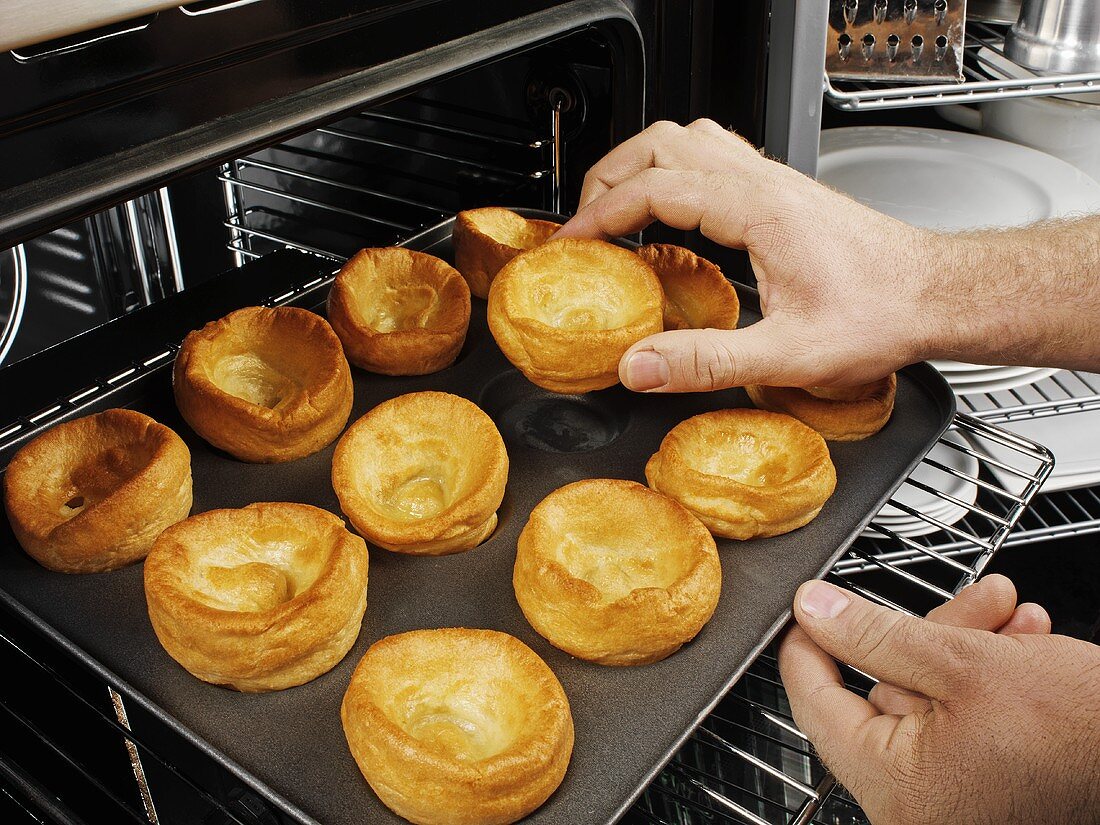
<point>1019,296</point>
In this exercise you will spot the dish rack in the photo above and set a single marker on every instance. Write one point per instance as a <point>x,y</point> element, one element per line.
<point>976,88</point>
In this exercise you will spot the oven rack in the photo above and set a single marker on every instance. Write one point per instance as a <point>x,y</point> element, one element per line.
<point>976,88</point>
<point>308,194</point>
<point>780,781</point>
<point>1055,515</point>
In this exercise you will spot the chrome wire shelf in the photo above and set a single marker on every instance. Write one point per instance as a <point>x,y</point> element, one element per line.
<point>379,177</point>
<point>977,87</point>
<point>1054,515</point>
<point>985,523</point>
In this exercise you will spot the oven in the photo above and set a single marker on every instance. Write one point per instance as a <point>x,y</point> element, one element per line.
<point>158,161</point>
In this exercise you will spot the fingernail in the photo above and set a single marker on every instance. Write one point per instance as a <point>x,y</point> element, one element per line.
<point>646,370</point>
<point>823,601</point>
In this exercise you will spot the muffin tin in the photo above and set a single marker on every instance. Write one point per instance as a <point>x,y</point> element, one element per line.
<point>289,745</point>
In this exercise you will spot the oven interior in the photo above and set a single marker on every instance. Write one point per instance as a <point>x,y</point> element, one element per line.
<point>518,131</point>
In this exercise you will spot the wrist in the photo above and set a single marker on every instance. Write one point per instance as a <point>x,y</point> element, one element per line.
<point>935,327</point>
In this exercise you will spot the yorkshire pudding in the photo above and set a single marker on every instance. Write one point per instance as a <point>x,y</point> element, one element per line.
<point>565,312</point>
<point>264,384</point>
<point>697,294</point>
<point>399,312</point>
<point>422,473</point>
<point>612,572</point>
<point>839,414</point>
<point>745,473</point>
<point>92,494</point>
<point>488,238</point>
<point>458,727</point>
<point>257,599</point>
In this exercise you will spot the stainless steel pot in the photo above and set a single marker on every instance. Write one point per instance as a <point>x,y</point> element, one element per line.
<point>1056,36</point>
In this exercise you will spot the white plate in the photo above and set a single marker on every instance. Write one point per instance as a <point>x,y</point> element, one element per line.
<point>1075,441</point>
<point>992,374</point>
<point>947,367</point>
<point>1071,482</point>
<point>922,501</point>
<point>1004,383</point>
<point>917,528</point>
<point>951,180</point>
<point>941,513</point>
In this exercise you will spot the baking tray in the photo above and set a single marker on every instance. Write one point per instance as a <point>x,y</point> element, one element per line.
<point>289,745</point>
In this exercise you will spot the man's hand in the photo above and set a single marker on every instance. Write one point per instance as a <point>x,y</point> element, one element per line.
<point>988,604</point>
<point>981,716</point>
<point>848,294</point>
<point>817,254</point>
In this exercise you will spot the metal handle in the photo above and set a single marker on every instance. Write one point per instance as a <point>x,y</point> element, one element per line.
<point>72,47</point>
<point>203,8</point>
<point>558,103</point>
<point>18,301</point>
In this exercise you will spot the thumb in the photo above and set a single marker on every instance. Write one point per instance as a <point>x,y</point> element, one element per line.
<point>891,646</point>
<point>698,360</point>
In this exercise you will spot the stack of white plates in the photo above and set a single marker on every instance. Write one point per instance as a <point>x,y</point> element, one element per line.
<point>902,523</point>
<point>967,379</point>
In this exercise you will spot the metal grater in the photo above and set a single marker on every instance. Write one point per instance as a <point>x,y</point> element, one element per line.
<point>890,40</point>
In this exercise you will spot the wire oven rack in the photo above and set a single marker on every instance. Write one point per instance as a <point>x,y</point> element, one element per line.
<point>981,39</point>
<point>308,194</point>
<point>748,762</point>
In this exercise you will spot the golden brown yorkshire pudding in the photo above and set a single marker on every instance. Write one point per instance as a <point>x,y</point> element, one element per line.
<point>612,572</point>
<point>399,312</point>
<point>423,473</point>
<point>262,598</point>
<point>92,494</point>
<point>488,238</point>
<point>565,312</point>
<point>697,294</point>
<point>458,727</point>
<point>745,473</point>
<point>264,384</point>
<point>839,414</point>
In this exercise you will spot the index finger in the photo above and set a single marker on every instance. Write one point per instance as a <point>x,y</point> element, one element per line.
<point>700,146</point>
<point>683,200</point>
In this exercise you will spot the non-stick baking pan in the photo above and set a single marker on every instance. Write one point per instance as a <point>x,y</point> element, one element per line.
<point>289,745</point>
